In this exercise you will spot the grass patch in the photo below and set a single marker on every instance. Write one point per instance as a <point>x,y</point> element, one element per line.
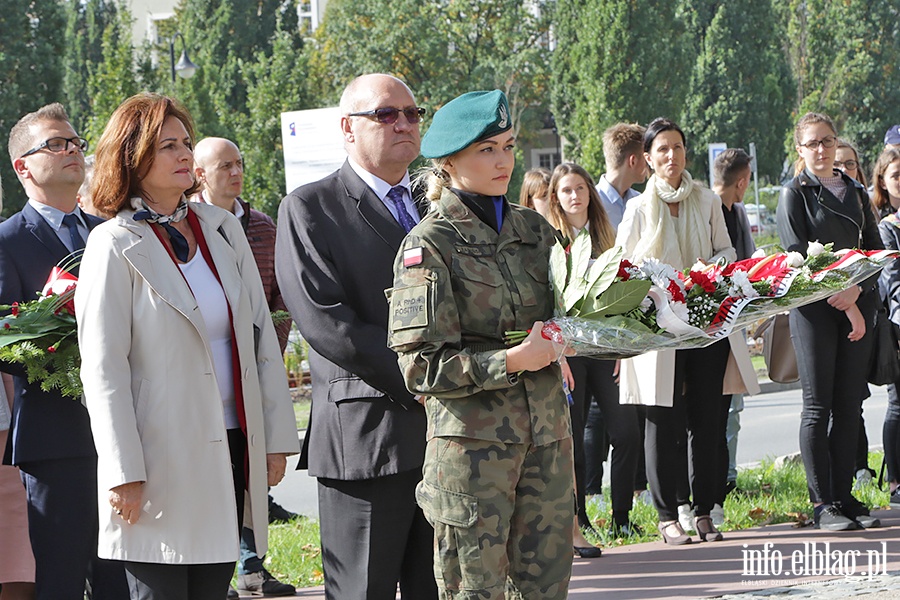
<point>759,365</point>
<point>766,494</point>
<point>295,555</point>
<point>301,413</point>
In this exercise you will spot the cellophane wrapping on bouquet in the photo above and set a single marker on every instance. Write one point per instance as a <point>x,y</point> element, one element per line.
<point>609,308</point>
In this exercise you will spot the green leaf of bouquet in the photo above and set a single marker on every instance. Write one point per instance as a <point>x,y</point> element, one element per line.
<point>619,298</point>
<point>559,273</point>
<point>580,255</point>
<point>603,272</point>
<point>14,338</point>
<point>622,322</point>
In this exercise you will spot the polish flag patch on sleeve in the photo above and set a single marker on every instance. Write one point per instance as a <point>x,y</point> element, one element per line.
<point>412,256</point>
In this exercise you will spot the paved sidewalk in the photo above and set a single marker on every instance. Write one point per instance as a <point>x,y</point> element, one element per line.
<point>725,569</point>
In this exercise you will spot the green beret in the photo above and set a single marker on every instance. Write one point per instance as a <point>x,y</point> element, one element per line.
<point>465,120</point>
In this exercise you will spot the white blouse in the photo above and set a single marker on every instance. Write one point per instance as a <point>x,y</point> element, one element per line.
<point>214,309</point>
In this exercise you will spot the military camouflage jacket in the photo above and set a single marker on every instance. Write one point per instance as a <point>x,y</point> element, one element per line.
<point>458,286</point>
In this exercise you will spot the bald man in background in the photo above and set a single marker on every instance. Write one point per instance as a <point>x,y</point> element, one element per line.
<point>219,167</point>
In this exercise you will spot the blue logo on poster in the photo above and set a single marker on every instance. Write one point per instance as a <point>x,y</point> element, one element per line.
<point>293,129</point>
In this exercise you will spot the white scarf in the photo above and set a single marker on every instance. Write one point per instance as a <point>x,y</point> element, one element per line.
<point>678,242</point>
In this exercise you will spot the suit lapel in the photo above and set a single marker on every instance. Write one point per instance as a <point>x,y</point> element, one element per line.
<point>40,229</point>
<point>150,259</point>
<point>371,209</point>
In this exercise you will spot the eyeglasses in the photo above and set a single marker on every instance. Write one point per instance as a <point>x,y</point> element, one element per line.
<point>389,115</point>
<point>59,144</point>
<point>846,164</point>
<point>826,142</point>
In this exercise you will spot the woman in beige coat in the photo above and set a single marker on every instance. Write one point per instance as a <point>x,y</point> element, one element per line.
<point>182,372</point>
<point>678,222</point>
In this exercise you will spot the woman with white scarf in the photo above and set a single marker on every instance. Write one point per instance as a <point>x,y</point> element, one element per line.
<point>677,222</point>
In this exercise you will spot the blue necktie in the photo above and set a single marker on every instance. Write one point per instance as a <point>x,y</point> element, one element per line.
<point>396,196</point>
<point>71,222</point>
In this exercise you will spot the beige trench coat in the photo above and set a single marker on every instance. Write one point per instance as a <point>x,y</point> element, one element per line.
<point>151,391</point>
<point>648,379</point>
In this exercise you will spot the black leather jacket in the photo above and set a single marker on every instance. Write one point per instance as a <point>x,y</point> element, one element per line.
<point>809,212</point>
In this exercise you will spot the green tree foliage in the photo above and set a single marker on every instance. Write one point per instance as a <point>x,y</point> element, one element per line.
<point>615,60</point>
<point>223,36</point>
<point>113,78</point>
<point>31,41</point>
<point>740,88</point>
<point>441,48</point>
<point>846,59</point>
<point>252,68</point>
<point>85,26</point>
<point>276,84</point>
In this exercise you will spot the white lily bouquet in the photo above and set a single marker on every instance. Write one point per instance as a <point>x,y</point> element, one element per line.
<point>611,308</point>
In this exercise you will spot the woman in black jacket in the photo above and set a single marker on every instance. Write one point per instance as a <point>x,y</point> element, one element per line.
<point>886,197</point>
<point>823,204</point>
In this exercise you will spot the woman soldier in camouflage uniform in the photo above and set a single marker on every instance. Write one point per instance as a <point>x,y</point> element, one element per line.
<point>497,482</point>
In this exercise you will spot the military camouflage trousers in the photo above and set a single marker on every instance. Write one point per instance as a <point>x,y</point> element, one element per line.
<point>499,511</point>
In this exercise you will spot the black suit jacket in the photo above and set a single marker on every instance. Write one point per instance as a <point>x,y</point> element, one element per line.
<point>334,258</point>
<point>45,425</point>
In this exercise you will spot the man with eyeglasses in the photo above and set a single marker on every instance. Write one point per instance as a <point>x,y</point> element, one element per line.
<point>50,438</point>
<point>334,254</point>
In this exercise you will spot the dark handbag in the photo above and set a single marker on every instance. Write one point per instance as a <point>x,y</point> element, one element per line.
<point>885,365</point>
<point>778,349</point>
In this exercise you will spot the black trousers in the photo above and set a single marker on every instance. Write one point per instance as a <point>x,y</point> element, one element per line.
<point>696,408</point>
<point>205,581</point>
<point>154,581</point>
<point>891,433</point>
<point>375,536</point>
<point>833,378</point>
<point>594,378</point>
<point>62,526</point>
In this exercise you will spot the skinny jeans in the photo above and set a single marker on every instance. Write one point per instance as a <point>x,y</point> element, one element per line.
<point>595,378</point>
<point>833,378</point>
<point>891,431</point>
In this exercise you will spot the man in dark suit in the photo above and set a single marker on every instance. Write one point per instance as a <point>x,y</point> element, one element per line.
<point>50,439</point>
<point>334,255</point>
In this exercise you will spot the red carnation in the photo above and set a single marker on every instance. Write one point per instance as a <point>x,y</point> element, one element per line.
<point>675,291</point>
<point>623,273</point>
<point>15,309</point>
<point>6,326</point>
<point>702,279</point>
<point>51,349</point>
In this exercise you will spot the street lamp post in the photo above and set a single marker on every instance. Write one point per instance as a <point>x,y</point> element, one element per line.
<point>185,67</point>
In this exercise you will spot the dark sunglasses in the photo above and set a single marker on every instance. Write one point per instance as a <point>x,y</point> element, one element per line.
<point>389,115</point>
<point>58,144</point>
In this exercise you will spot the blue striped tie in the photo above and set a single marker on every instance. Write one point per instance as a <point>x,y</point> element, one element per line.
<point>396,196</point>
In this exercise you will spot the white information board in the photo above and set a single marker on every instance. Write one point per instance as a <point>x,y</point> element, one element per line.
<point>714,150</point>
<point>313,145</point>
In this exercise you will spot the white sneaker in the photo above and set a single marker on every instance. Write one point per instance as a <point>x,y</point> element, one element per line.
<point>686,517</point>
<point>718,515</point>
<point>863,478</point>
